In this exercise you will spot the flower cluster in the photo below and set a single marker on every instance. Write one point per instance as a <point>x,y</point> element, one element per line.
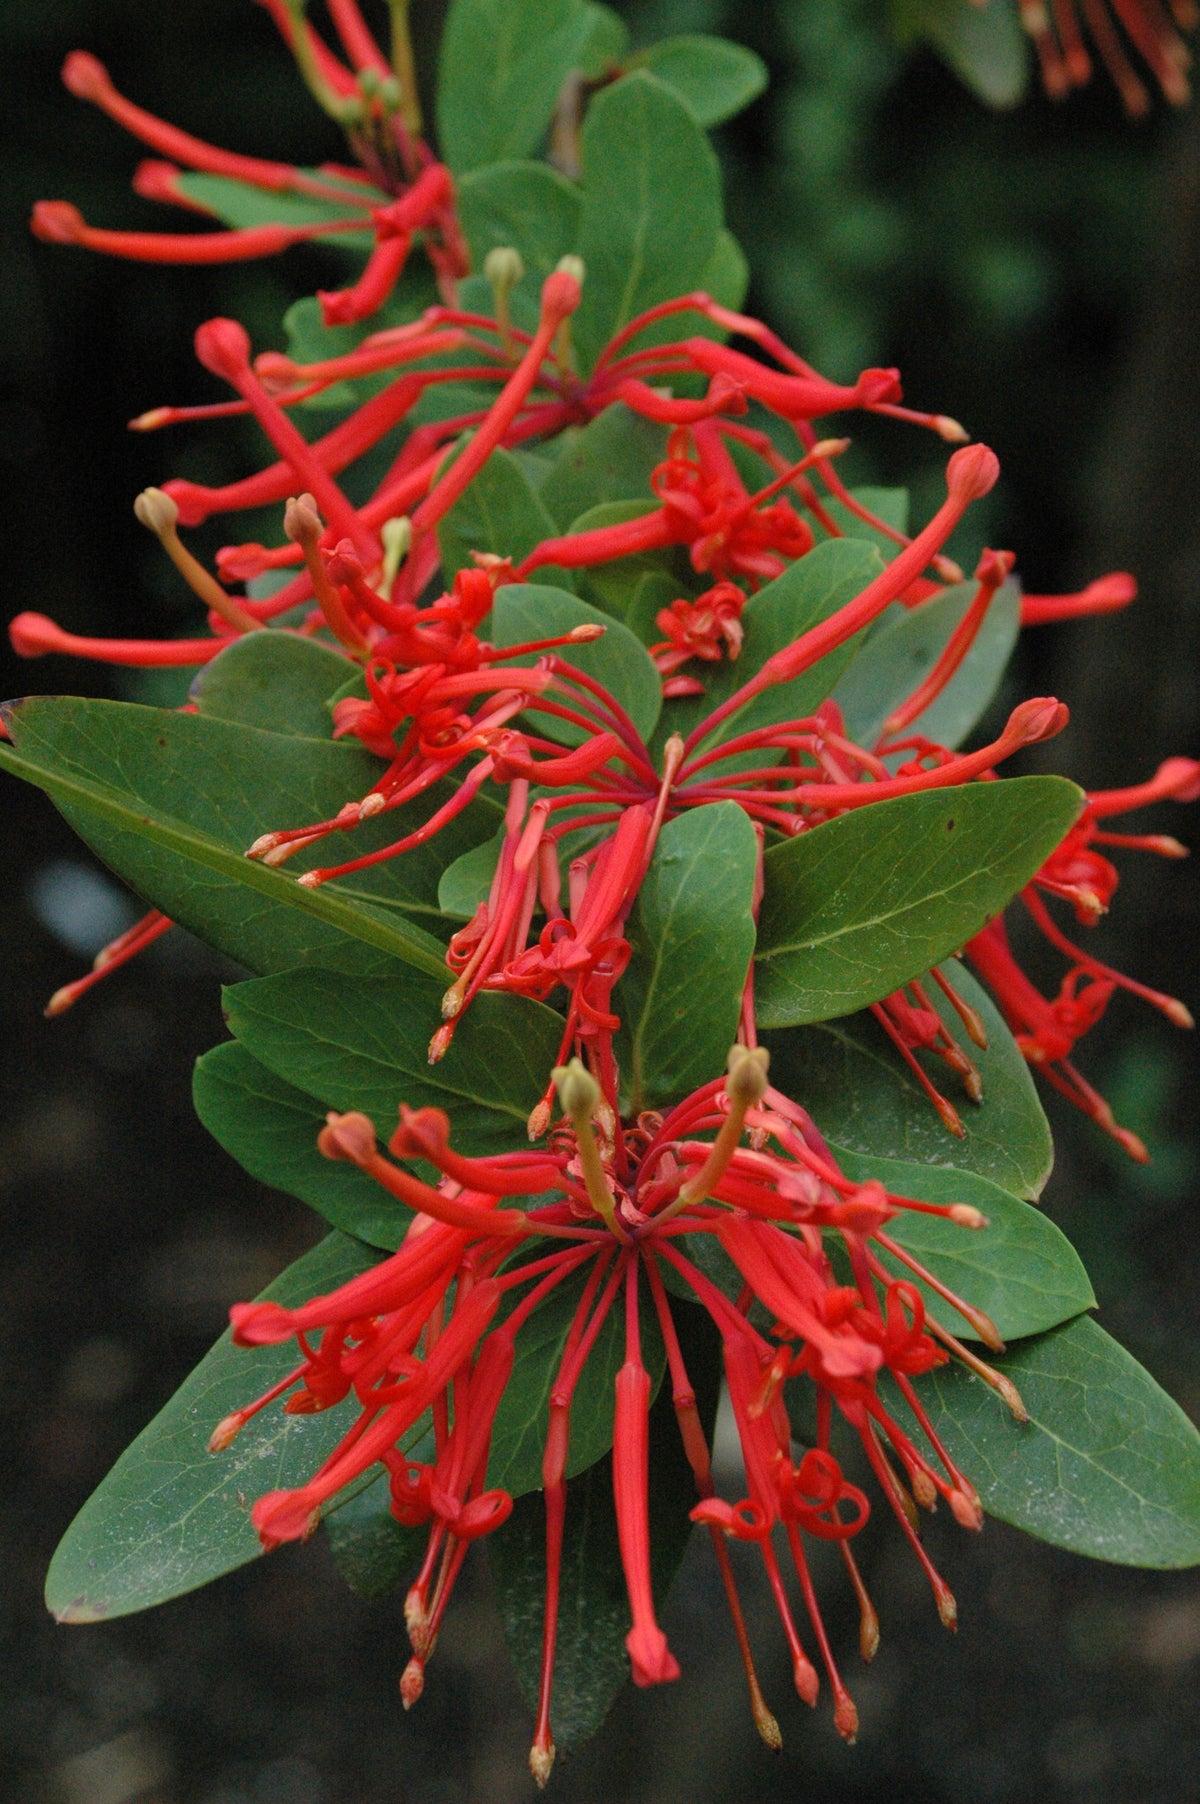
<point>435,1328</point>
<point>728,1196</point>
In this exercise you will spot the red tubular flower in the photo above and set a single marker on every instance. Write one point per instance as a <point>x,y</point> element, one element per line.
<point>1151,27</point>
<point>435,1327</point>
<point>407,192</point>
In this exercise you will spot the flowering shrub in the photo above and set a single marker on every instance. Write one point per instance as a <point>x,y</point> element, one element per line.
<point>578,771</point>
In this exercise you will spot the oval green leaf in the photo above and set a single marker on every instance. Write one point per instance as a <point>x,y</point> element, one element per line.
<point>170,1515</point>
<point>713,78</point>
<point>1107,1465</point>
<point>864,1098</point>
<point>271,1129</point>
<point>1020,1270</point>
<point>363,1044</point>
<point>902,652</point>
<point>873,898</point>
<point>651,208</point>
<point>692,933</point>
<point>528,611</point>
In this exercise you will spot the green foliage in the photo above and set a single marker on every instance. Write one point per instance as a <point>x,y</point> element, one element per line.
<point>904,648</point>
<point>1020,1270</point>
<point>171,1515</point>
<point>870,900</point>
<point>1106,1465</point>
<point>651,208</point>
<point>867,1101</point>
<point>593,1615</point>
<point>714,79</point>
<point>692,935</point>
<point>270,1128</point>
<point>503,63</point>
<point>808,592</point>
<point>529,611</point>
<point>354,1043</point>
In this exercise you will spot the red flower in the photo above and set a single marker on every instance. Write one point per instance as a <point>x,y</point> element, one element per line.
<point>434,1328</point>
<point>402,193</point>
<point>1150,26</point>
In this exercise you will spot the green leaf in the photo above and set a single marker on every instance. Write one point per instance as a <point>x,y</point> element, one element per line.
<point>591,1665</point>
<point>170,1515</point>
<point>370,1549</point>
<point>651,208</point>
<point>726,279</point>
<point>529,611</point>
<point>466,882</point>
<point>241,205</point>
<point>519,1435</point>
<point>499,512</point>
<point>864,1097</point>
<point>1020,1270</point>
<point>608,36</point>
<point>692,934</point>
<point>809,591</point>
<point>271,1129</point>
<point>904,649</point>
<point>170,801</point>
<point>890,505</point>
<point>713,78</point>
<point>503,63</point>
<point>868,901</point>
<point>363,1044</point>
<point>613,454</point>
<point>984,45</point>
<point>526,205</point>
<point>1107,1465</point>
<point>273,680</point>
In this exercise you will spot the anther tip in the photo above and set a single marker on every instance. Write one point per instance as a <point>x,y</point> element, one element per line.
<point>156,511</point>
<point>768,1729</point>
<point>541,1763</point>
<point>412,1683</point>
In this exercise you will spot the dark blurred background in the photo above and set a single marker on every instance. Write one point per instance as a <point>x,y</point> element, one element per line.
<point>1035,273</point>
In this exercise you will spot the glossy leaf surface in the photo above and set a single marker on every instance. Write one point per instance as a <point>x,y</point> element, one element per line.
<point>170,1515</point>
<point>692,933</point>
<point>171,801</point>
<point>902,652</point>
<point>1020,1270</point>
<point>354,1044</point>
<point>502,65</point>
<point>713,78</point>
<point>1107,1465</point>
<point>651,207</point>
<point>856,907</point>
<point>864,1098</point>
<point>529,611</point>
<point>271,1129</point>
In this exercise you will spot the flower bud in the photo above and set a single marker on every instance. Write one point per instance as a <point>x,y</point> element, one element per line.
<point>156,511</point>
<point>85,76</point>
<point>972,472</point>
<point>223,346</point>
<point>578,1090</point>
<point>747,1080</point>
<point>350,1137</point>
<point>57,222</point>
<point>503,267</point>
